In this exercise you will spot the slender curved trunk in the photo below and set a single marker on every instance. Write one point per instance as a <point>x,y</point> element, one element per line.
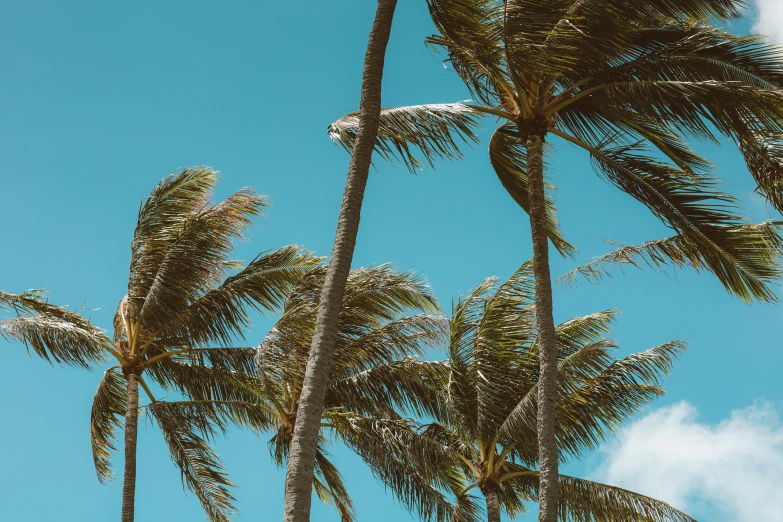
<point>299,479</point>
<point>547,386</point>
<point>131,434</point>
<point>493,505</point>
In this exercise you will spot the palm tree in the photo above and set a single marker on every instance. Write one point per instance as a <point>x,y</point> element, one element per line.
<point>304,445</point>
<point>485,430</point>
<point>179,305</point>
<point>375,369</point>
<point>628,82</point>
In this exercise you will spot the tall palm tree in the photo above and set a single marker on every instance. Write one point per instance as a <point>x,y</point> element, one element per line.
<point>485,429</point>
<point>304,445</point>
<point>627,81</point>
<point>179,305</point>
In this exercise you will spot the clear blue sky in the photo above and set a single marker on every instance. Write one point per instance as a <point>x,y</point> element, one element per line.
<point>101,100</point>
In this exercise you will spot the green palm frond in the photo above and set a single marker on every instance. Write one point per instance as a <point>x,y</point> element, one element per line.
<point>220,315</point>
<point>195,261</point>
<point>173,202</point>
<point>759,241</point>
<point>435,131</point>
<point>414,468</point>
<point>587,501</point>
<point>406,385</point>
<point>330,488</point>
<point>107,416</point>
<point>212,418</point>
<point>51,332</point>
<point>200,467</point>
<point>509,160</point>
<point>744,261</point>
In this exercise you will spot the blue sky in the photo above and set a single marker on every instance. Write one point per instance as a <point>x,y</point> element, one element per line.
<point>101,100</point>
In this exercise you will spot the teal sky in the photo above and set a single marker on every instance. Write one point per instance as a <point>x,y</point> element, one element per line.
<point>101,100</point>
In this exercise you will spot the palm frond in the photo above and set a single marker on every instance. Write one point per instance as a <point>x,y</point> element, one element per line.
<point>107,416</point>
<point>195,261</point>
<point>221,314</point>
<point>212,418</point>
<point>199,466</point>
<point>762,240</point>
<point>332,490</point>
<point>744,260</point>
<point>53,333</point>
<point>434,130</point>
<point>174,201</point>
<point>508,156</point>
<point>586,501</point>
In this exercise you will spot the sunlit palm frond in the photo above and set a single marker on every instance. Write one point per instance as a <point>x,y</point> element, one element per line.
<point>53,333</point>
<point>435,131</point>
<point>107,416</point>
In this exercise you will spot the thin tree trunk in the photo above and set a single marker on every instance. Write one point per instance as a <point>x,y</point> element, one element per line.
<point>493,505</point>
<point>299,479</point>
<point>547,386</point>
<point>131,433</point>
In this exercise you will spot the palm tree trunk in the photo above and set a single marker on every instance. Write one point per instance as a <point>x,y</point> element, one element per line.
<point>547,386</point>
<point>131,432</point>
<point>299,479</point>
<point>493,504</point>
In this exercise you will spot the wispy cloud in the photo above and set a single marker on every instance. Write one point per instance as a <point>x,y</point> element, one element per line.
<point>735,465</point>
<point>769,19</point>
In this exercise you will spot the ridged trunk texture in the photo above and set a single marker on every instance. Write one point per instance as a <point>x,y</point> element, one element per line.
<point>545,323</point>
<point>493,505</point>
<point>299,479</point>
<point>131,435</point>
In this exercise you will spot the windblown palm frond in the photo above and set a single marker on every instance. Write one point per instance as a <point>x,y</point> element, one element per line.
<point>53,333</point>
<point>680,252</point>
<point>433,130</point>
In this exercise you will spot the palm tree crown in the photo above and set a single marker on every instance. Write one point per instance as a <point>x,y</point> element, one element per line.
<point>375,371</point>
<point>174,329</point>
<point>484,435</point>
<point>628,82</point>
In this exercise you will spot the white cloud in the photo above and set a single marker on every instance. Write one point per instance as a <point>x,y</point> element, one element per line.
<point>736,466</point>
<point>769,18</point>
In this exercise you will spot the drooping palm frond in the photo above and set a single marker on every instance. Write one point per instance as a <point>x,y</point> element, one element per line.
<point>53,333</point>
<point>432,130</point>
<point>743,259</point>
<point>588,501</point>
<point>509,160</point>
<point>200,467</point>
<point>414,468</point>
<point>470,33</point>
<point>329,486</point>
<point>107,416</point>
<point>760,240</point>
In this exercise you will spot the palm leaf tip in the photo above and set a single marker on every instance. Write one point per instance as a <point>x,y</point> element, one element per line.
<point>435,131</point>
